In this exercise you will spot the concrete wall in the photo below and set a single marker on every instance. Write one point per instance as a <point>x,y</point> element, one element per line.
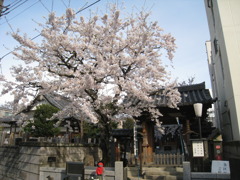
<point>110,173</point>
<point>24,162</point>
<point>60,173</point>
<point>188,175</point>
<point>230,21</point>
<point>224,26</point>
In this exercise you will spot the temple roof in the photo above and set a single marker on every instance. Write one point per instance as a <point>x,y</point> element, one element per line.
<point>57,100</point>
<point>190,94</point>
<point>54,99</point>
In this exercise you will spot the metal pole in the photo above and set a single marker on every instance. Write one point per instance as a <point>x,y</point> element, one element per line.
<point>200,128</point>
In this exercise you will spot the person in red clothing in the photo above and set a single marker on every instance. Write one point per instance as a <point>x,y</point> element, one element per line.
<point>100,170</point>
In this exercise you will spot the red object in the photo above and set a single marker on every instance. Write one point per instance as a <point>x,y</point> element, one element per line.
<point>100,168</point>
<point>218,147</point>
<point>100,164</point>
<point>218,157</point>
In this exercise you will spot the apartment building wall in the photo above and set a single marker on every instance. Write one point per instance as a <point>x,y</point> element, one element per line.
<point>224,25</point>
<point>223,51</point>
<point>216,118</point>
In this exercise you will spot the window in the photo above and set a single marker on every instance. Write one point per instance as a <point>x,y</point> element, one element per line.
<point>222,67</point>
<point>215,43</point>
<point>210,5</point>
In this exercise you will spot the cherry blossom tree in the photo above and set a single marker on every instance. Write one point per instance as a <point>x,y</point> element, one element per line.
<point>96,62</point>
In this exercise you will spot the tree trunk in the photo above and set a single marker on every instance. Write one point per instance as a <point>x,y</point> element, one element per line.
<point>105,135</point>
<point>106,143</point>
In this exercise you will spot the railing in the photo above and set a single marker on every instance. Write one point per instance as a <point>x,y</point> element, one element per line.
<point>170,159</point>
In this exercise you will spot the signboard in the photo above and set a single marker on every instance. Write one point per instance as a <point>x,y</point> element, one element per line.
<point>220,167</point>
<point>75,169</point>
<point>198,148</point>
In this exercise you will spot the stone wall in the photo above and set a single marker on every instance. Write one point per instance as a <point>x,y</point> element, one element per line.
<point>23,162</point>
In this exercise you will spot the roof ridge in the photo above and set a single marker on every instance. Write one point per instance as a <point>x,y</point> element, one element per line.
<point>192,87</point>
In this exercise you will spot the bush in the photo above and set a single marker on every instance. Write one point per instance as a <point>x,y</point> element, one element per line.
<point>41,126</point>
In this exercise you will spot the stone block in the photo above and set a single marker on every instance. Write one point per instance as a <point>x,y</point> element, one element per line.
<point>203,175</point>
<point>186,170</point>
<point>118,170</point>
<point>223,176</point>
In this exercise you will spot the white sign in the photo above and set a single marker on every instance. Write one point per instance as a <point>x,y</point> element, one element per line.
<point>198,149</point>
<point>220,166</point>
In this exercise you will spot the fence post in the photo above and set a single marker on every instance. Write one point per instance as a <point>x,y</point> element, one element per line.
<point>179,160</point>
<point>186,170</point>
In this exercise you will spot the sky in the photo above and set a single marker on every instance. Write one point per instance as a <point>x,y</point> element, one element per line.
<point>185,19</point>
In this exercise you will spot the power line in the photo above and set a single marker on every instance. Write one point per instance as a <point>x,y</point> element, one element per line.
<point>17,48</point>
<point>87,6</point>
<point>69,2</point>
<point>44,6</point>
<point>14,3</point>
<point>40,34</point>
<point>11,5</point>
<point>64,3</point>
<point>52,5</point>
<point>6,8</point>
<point>20,12</point>
<point>5,12</point>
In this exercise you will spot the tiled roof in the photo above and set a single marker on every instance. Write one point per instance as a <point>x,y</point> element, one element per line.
<point>54,99</point>
<point>57,100</point>
<point>190,94</point>
<point>195,94</point>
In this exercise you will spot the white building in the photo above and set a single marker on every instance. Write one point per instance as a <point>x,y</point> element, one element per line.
<point>224,64</point>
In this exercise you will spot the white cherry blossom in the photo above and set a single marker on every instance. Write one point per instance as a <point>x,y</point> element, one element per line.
<point>81,57</point>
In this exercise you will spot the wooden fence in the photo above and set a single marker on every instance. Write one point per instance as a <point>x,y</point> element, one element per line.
<point>159,159</point>
<point>168,159</point>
